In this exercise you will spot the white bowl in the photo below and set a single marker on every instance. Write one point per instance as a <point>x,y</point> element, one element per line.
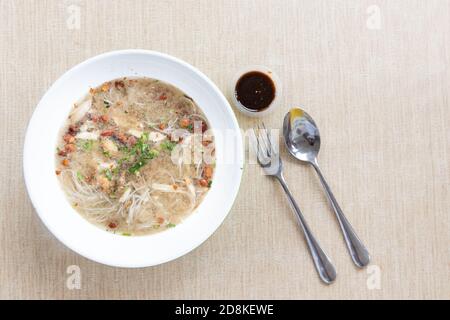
<point>70,227</point>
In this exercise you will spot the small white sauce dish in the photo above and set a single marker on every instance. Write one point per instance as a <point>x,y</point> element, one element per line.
<point>252,112</point>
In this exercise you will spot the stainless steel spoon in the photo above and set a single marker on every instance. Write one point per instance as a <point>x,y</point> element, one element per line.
<point>302,139</point>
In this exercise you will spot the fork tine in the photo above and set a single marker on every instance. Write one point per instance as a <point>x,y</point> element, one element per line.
<point>262,136</point>
<point>257,147</point>
<point>269,139</point>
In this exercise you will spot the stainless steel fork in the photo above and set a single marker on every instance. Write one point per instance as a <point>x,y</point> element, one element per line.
<point>269,159</point>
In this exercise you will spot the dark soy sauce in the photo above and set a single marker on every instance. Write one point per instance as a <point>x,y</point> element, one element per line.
<point>255,91</point>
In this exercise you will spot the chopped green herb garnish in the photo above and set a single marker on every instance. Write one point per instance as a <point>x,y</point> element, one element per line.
<point>126,234</point>
<point>86,144</point>
<point>190,127</point>
<point>142,153</point>
<point>123,160</point>
<point>153,154</point>
<point>124,149</point>
<point>144,137</point>
<point>108,174</point>
<point>115,171</point>
<point>209,183</point>
<point>107,103</point>
<point>107,154</point>
<point>80,176</point>
<point>135,167</point>
<point>168,145</point>
<point>171,225</point>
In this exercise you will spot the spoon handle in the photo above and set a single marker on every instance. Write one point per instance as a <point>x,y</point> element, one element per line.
<point>323,264</point>
<point>357,250</point>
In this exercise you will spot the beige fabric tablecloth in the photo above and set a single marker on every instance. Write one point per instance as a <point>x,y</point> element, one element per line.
<point>375,76</point>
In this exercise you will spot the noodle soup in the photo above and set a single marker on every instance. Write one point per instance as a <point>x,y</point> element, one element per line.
<point>135,156</point>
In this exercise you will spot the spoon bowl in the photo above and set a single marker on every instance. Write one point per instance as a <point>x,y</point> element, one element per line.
<point>302,136</point>
<point>302,139</point>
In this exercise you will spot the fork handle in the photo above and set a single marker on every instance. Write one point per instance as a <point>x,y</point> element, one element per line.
<point>323,264</point>
<point>356,248</point>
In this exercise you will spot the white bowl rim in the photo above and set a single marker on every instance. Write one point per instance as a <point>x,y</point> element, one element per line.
<point>124,264</point>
